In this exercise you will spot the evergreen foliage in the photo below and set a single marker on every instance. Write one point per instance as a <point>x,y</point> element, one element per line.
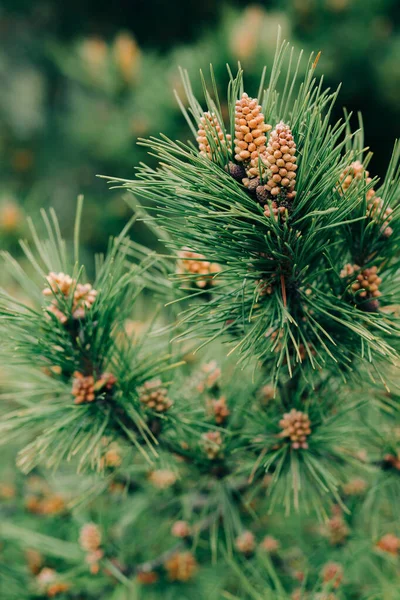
<point>266,470</point>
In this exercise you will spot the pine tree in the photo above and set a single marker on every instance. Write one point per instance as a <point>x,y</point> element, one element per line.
<point>268,470</point>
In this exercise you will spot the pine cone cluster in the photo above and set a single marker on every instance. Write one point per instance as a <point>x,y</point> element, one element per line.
<point>296,426</point>
<point>389,543</point>
<point>281,161</point>
<point>245,542</point>
<point>212,442</point>
<point>209,126</point>
<point>367,285</point>
<point>85,388</point>
<point>154,396</point>
<point>60,289</point>
<point>181,566</point>
<point>193,263</point>
<point>250,130</point>
<point>219,410</point>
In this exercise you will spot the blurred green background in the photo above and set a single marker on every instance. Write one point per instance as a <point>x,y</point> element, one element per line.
<point>81,80</point>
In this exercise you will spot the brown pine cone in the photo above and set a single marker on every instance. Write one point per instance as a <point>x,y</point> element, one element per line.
<point>296,426</point>
<point>209,128</point>
<point>250,130</point>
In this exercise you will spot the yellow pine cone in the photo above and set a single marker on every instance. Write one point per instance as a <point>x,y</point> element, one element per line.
<point>192,263</point>
<point>181,566</point>
<point>250,130</point>
<point>296,426</point>
<point>209,127</point>
<point>280,160</point>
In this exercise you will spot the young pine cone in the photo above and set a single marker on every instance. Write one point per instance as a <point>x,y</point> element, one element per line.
<point>332,573</point>
<point>375,211</point>
<point>296,426</point>
<point>90,537</point>
<point>219,410</point>
<point>212,442</point>
<point>355,172</point>
<point>181,566</point>
<point>250,130</point>
<point>245,542</point>
<point>192,263</point>
<point>280,161</point>
<point>349,270</point>
<point>154,396</point>
<point>209,128</point>
<point>366,286</point>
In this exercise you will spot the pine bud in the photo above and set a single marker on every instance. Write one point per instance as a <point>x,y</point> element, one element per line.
<point>355,172</point>
<point>83,388</point>
<point>270,544</point>
<point>296,426</point>
<point>337,529</point>
<point>375,212</point>
<point>181,566</point>
<point>147,577</point>
<point>90,537</point>
<point>280,160</point>
<point>245,542</point>
<point>154,396</point>
<point>212,442</point>
<point>209,128</point>
<point>192,263</point>
<point>180,529</point>
<point>219,410</point>
<point>355,487</point>
<point>250,130</point>
<point>389,543</point>
<point>162,478</point>
<point>332,573</point>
